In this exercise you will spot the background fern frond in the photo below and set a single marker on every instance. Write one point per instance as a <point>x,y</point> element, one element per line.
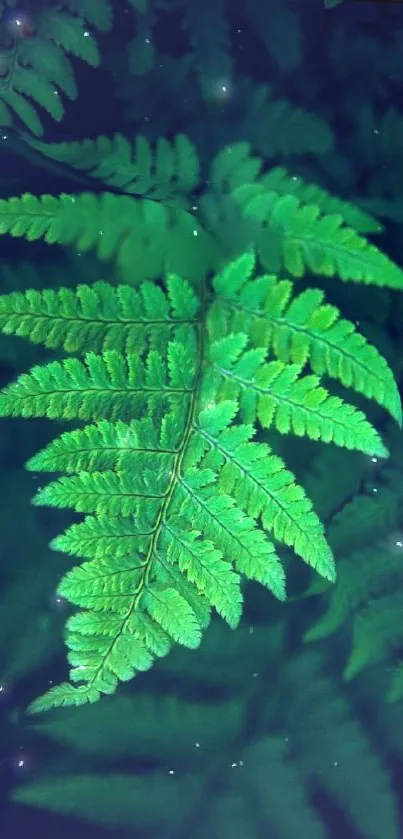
<point>37,67</point>
<point>162,171</point>
<point>69,32</point>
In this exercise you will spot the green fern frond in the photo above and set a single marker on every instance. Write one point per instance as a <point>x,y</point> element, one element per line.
<point>280,30</point>
<point>168,171</point>
<point>38,68</point>
<point>209,36</point>
<point>109,386</point>
<point>97,14</point>
<point>49,63</point>
<point>90,795</point>
<point>366,598</point>
<point>100,317</point>
<point>377,633</point>
<point>278,396</point>
<point>233,166</point>
<point>276,127</point>
<point>147,237</point>
<point>332,728</point>
<point>279,180</point>
<point>302,328</point>
<point>367,519</point>
<point>108,445</point>
<point>298,238</point>
<point>69,32</point>
<point>181,503</point>
<point>13,103</point>
<point>362,575</point>
<point>28,82</point>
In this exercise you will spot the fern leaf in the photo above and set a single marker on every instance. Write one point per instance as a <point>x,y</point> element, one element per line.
<point>278,791</point>
<point>38,68</point>
<point>113,800</point>
<point>263,487</point>
<point>171,611</point>
<point>332,728</point>
<point>279,396</point>
<point>97,14</point>
<point>276,127</point>
<point>143,234</point>
<point>298,238</point>
<point>367,519</point>
<point>102,386</point>
<point>30,83</point>
<point>210,41</point>
<point>362,575</point>
<point>377,633</point>
<point>69,32</point>
<point>100,317</point>
<point>107,445</point>
<point>106,493</point>
<point>168,171</point>
<point>180,503</point>
<point>279,29</point>
<point>301,329</point>
<point>64,695</point>
<point>280,181</point>
<point>50,64</point>
<point>233,166</point>
<point>14,101</point>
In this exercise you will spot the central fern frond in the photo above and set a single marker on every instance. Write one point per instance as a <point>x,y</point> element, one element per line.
<point>181,503</point>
